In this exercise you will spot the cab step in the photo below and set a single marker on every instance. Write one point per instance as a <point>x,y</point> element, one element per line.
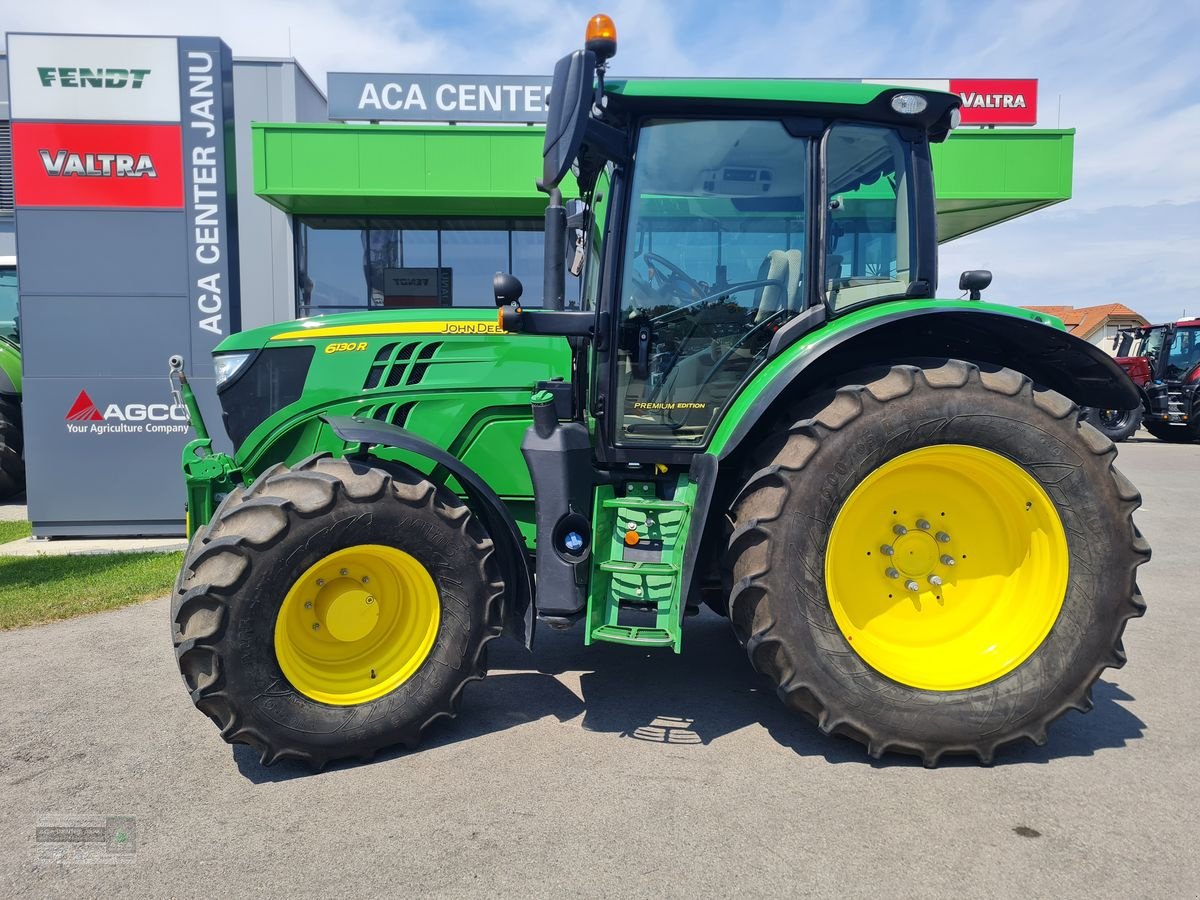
<point>634,635</point>
<point>637,564</point>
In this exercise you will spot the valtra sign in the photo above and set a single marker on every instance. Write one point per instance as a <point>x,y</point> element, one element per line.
<point>110,165</point>
<point>997,101</point>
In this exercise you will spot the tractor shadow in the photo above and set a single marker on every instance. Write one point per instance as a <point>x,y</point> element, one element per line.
<point>693,699</point>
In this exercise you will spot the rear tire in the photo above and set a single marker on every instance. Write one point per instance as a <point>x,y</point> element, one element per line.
<point>780,601</point>
<point>12,465</point>
<point>263,541</point>
<point>1115,424</point>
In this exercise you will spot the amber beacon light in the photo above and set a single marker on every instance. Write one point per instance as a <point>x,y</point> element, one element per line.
<point>601,37</point>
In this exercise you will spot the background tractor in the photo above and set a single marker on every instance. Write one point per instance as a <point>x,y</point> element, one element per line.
<point>12,464</point>
<point>753,401</point>
<point>1164,362</point>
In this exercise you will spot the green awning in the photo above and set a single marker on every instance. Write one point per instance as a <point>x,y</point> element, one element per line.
<point>982,176</point>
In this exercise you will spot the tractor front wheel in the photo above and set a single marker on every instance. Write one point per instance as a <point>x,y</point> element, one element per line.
<point>334,609</point>
<point>937,559</point>
<point>12,466</point>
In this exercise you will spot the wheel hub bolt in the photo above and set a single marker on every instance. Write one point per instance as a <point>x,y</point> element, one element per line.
<point>935,580</point>
<point>922,524</point>
<point>899,529</point>
<point>320,582</point>
<point>947,559</point>
<point>308,604</point>
<point>372,599</point>
<point>365,579</point>
<point>912,585</point>
<point>344,572</point>
<point>942,537</point>
<point>891,573</point>
<point>316,626</point>
<point>887,550</point>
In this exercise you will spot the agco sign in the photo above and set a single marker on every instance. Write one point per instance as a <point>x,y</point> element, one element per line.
<point>85,417</point>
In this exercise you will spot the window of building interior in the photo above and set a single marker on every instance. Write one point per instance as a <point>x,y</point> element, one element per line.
<point>346,264</point>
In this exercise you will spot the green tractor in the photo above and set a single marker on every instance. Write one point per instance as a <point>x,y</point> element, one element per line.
<point>12,463</point>
<point>755,402</point>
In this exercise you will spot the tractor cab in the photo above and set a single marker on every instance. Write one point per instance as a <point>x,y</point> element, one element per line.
<point>724,220</point>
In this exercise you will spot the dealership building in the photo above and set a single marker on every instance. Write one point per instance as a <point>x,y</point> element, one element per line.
<point>157,193</point>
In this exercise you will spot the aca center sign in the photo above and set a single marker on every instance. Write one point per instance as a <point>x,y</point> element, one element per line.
<point>438,98</point>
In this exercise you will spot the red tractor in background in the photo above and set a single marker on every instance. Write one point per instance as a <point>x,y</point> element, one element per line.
<point>1164,362</point>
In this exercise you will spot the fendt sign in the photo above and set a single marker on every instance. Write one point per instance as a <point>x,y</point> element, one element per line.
<point>126,222</point>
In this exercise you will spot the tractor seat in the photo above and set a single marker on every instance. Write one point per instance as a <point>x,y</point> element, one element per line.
<point>786,268</point>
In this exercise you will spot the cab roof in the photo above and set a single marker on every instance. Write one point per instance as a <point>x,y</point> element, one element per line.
<point>825,99</point>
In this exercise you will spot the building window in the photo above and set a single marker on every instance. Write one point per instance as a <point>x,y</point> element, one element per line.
<point>356,264</point>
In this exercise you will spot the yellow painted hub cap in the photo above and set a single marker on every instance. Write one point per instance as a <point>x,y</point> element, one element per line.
<point>357,624</point>
<point>946,567</point>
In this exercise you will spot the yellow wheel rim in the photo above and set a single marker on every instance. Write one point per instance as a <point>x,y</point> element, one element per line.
<point>946,567</point>
<point>357,624</point>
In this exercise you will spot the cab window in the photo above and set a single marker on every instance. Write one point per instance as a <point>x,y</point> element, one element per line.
<point>870,251</point>
<point>713,266</point>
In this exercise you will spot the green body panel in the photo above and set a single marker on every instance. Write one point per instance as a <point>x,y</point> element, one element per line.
<point>10,364</point>
<point>982,176</point>
<point>467,393</point>
<point>816,342</point>
<point>750,90</point>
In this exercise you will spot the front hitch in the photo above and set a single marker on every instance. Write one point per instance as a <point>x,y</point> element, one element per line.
<point>208,476</point>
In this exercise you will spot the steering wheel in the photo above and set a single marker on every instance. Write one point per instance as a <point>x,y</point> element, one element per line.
<point>667,276</point>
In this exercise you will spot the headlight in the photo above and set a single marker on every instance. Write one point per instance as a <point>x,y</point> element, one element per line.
<point>909,104</point>
<point>226,365</point>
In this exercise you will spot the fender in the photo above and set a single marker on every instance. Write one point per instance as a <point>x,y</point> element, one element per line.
<point>983,333</point>
<point>511,552</point>
<point>10,368</point>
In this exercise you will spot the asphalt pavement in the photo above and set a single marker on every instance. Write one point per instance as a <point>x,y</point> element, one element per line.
<point>606,771</point>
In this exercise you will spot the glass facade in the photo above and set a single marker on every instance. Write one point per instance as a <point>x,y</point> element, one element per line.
<point>355,264</point>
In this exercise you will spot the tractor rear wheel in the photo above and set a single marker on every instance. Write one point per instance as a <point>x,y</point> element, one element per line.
<point>334,609</point>
<point>937,559</point>
<point>12,466</point>
<point>1115,424</point>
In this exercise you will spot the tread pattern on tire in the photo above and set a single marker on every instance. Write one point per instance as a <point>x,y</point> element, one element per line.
<point>255,518</point>
<point>762,501</point>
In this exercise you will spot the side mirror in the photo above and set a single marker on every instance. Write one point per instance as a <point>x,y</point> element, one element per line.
<point>507,289</point>
<point>974,281</point>
<point>571,95</point>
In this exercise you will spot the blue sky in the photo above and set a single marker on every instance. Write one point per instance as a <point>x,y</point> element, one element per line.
<point>1126,74</point>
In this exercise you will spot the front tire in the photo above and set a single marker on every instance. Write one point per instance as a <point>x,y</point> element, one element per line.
<point>12,465</point>
<point>334,609</point>
<point>826,612</point>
